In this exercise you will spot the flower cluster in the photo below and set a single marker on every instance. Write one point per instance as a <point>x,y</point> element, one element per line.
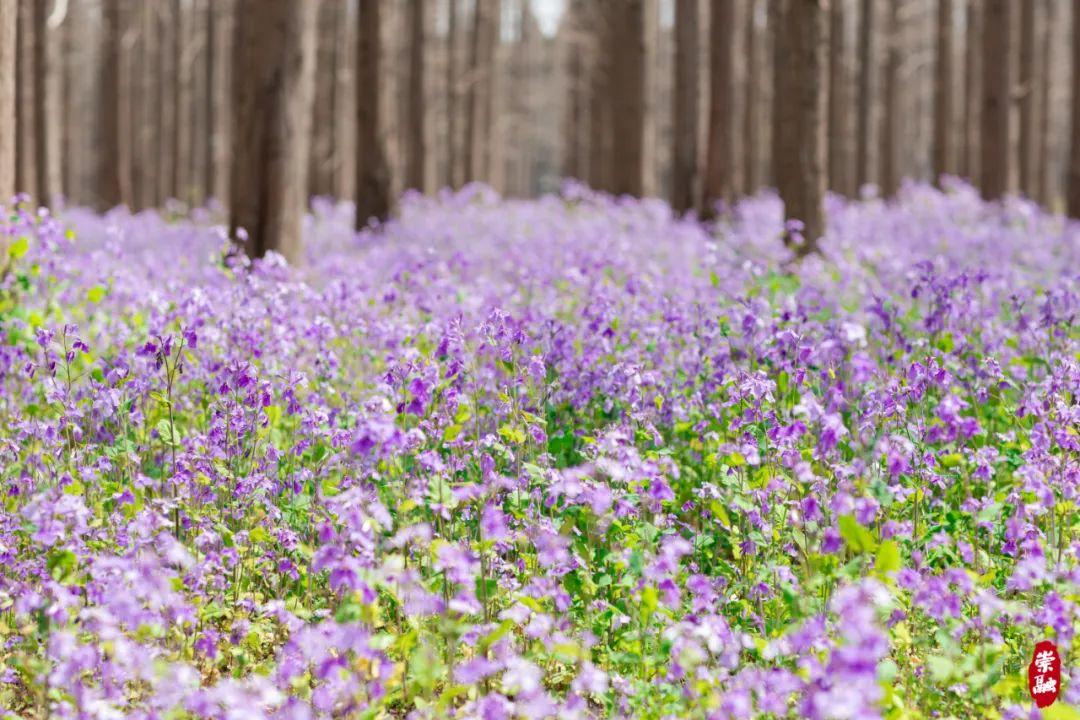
<point>564,458</point>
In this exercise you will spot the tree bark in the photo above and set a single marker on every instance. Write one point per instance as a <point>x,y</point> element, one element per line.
<point>219,72</point>
<point>478,113</point>
<point>684,107</point>
<point>1028,84</point>
<point>751,114</point>
<point>839,130</point>
<point>416,145</point>
<point>627,86</point>
<point>321,159</point>
<point>42,73</point>
<point>272,88</point>
<point>9,13</point>
<point>720,159</point>
<point>863,152</point>
<point>1073,188</point>
<point>972,85</point>
<point>107,185</point>
<point>800,164</point>
<point>372,170</point>
<point>1044,143</point>
<point>943,92</point>
<point>994,140</point>
<point>452,156</point>
<point>890,175</point>
<point>25,126</point>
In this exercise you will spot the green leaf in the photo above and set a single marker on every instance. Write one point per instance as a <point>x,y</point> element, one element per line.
<point>95,294</point>
<point>19,248</point>
<point>888,558</point>
<point>61,564</point>
<point>167,432</point>
<point>855,535</point>
<point>1061,711</point>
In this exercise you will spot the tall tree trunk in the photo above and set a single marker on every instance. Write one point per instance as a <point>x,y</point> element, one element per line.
<point>9,14</point>
<point>372,170</point>
<point>481,89</point>
<point>890,175</point>
<point>25,126</point>
<point>628,84</point>
<point>575,163</point>
<point>219,72</point>
<point>720,158</point>
<point>415,140</point>
<point>107,185</point>
<point>452,141</point>
<point>751,114</point>
<point>839,131</point>
<point>198,37</point>
<point>320,161</point>
<point>181,101</point>
<point>1073,188</point>
<point>972,85</point>
<point>684,109</point>
<point>1044,144</point>
<point>149,106</point>
<point>600,120</point>
<point>994,141</point>
<point>274,65</point>
<point>42,73</point>
<point>1028,85</point>
<point>863,151</point>
<point>169,83</point>
<point>943,92</point>
<point>800,164</point>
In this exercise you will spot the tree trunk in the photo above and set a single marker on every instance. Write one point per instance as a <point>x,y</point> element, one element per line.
<point>9,13</point>
<point>575,163</point>
<point>25,126</point>
<point>943,92</point>
<point>274,43</point>
<point>600,121</point>
<point>1028,84</point>
<point>972,85</point>
<point>42,72</point>
<point>994,141</point>
<point>372,170</point>
<point>839,140</point>
<point>751,114</point>
<point>147,72</point>
<point>684,108</point>
<point>321,159</point>
<point>218,119</point>
<point>414,137</point>
<point>800,166</point>
<point>863,152</point>
<point>478,113</point>
<point>890,179</point>
<point>627,86</point>
<point>1044,144</point>
<point>1073,189</point>
<point>452,159</point>
<point>107,185</point>
<point>720,158</point>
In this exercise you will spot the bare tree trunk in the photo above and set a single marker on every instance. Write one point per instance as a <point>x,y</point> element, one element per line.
<point>107,185</point>
<point>25,171</point>
<point>415,141</point>
<point>972,85</point>
<point>943,92</point>
<point>994,141</point>
<point>1073,188</point>
<point>684,108</point>
<point>372,170</point>
<point>839,125</point>
<point>628,97</point>
<point>169,83</point>
<point>478,113</point>
<point>800,162</point>
<point>320,161</point>
<point>600,118</point>
<point>863,153</point>
<point>1044,144</point>
<point>451,89</point>
<point>218,119</point>
<point>9,14</point>
<point>198,147</point>
<point>181,101</point>
<point>751,114</point>
<point>42,73</point>
<point>1028,85</point>
<point>575,162</point>
<point>274,65</point>
<point>890,179</point>
<point>720,158</point>
<point>147,194</point>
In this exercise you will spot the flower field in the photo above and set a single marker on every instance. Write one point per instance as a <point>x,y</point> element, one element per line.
<point>565,458</point>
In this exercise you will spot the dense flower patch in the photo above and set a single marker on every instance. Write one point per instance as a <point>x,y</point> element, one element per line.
<point>566,458</point>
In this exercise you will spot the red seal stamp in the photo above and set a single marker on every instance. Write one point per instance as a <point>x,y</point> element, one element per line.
<point>1044,674</point>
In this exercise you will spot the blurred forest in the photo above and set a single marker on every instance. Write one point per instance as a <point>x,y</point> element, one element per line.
<point>262,104</point>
